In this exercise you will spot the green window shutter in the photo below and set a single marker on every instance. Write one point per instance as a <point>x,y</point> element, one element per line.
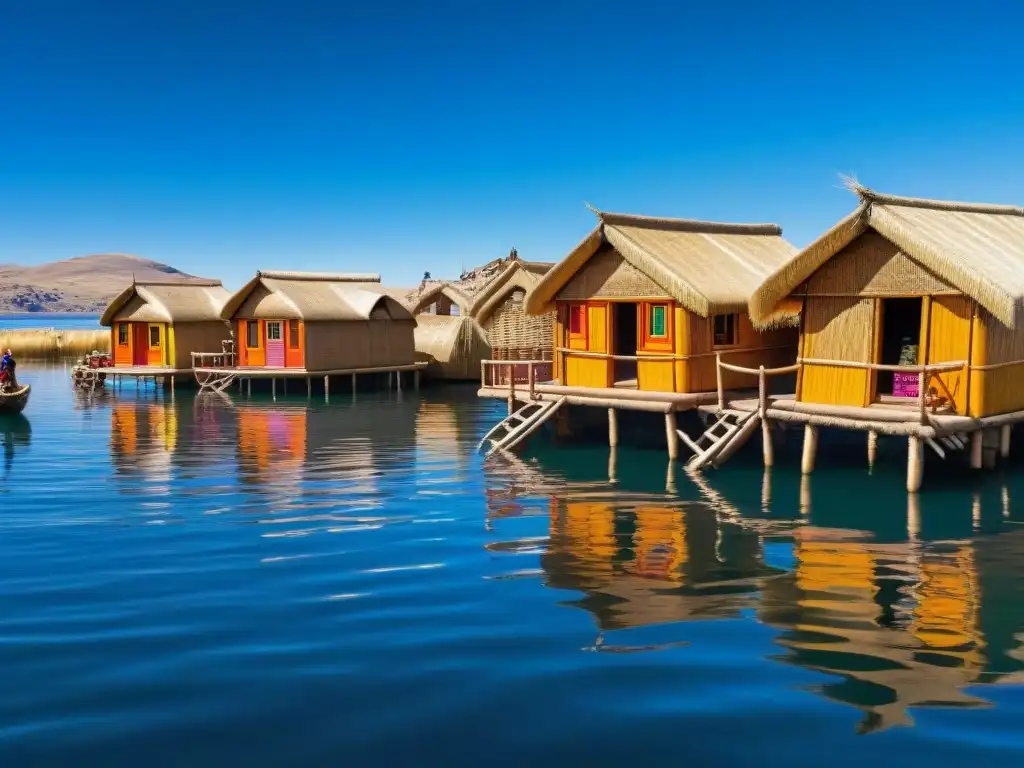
<point>657,320</point>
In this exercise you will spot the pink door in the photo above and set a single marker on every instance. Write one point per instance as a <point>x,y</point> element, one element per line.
<point>275,344</point>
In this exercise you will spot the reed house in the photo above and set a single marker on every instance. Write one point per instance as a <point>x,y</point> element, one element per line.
<point>905,282</point>
<point>500,311</point>
<point>157,325</point>
<point>648,303</point>
<point>911,325</point>
<point>448,340</point>
<point>309,322</point>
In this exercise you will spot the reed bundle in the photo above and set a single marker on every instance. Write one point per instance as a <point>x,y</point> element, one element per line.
<point>53,344</point>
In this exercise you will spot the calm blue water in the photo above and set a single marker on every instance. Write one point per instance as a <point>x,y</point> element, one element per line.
<point>63,321</point>
<point>232,582</point>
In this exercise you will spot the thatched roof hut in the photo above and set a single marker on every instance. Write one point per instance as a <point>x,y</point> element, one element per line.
<point>909,281</point>
<point>459,321</point>
<point>160,323</point>
<point>319,322</point>
<point>499,309</point>
<point>641,285</point>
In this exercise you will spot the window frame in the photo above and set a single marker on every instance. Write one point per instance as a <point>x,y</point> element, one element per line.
<point>581,331</point>
<point>123,329</point>
<point>648,342</point>
<point>275,324</point>
<point>250,326</point>
<point>734,319</point>
<point>159,340</point>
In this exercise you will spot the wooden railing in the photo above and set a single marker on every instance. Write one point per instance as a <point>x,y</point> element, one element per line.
<point>925,374</point>
<point>213,359</point>
<point>508,373</point>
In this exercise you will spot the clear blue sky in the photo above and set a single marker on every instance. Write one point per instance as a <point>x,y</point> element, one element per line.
<point>222,137</point>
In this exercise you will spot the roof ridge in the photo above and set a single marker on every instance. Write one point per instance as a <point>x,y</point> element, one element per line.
<point>337,277</point>
<point>685,225</point>
<point>194,283</point>
<point>871,196</point>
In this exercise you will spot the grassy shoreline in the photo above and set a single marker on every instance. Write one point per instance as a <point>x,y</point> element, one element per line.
<point>52,343</point>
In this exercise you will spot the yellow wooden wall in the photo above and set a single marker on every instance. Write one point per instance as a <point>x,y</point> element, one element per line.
<point>949,339</point>
<point>836,328</point>
<point>997,390</point>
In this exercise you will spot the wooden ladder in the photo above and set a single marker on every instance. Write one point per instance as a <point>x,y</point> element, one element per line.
<point>213,382</point>
<point>722,439</point>
<point>951,442</point>
<point>519,425</point>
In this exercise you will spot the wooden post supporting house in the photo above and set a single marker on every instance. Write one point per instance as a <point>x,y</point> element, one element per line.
<point>327,388</point>
<point>613,428</point>
<point>309,387</point>
<point>810,448</point>
<point>670,435</point>
<point>1005,433</point>
<point>767,449</point>
<point>976,449</point>
<point>915,463</point>
<point>872,448</point>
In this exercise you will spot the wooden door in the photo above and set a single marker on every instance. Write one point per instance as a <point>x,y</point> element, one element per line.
<point>140,344</point>
<point>295,343</point>
<point>255,351</point>
<point>157,344</point>
<point>275,343</point>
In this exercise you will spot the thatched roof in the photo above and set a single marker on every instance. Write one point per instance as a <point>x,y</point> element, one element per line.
<point>167,301</point>
<point>517,275</point>
<point>708,267</point>
<point>978,249</point>
<point>314,296</point>
<point>425,298</point>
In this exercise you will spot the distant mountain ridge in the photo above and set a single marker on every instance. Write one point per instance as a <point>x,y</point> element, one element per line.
<point>81,284</point>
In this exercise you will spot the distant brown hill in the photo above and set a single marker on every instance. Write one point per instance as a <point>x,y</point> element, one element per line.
<point>82,284</point>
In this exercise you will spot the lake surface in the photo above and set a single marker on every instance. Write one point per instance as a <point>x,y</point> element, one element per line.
<point>64,321</point>
<point>241,582</point>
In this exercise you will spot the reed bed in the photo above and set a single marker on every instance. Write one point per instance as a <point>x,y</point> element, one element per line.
<point>53,344</point>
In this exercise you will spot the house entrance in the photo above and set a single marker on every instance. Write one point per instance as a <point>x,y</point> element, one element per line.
<point>899,340</point>
<point>624,336</point>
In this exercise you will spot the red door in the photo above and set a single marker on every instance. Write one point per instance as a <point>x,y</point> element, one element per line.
<point>140,345</point>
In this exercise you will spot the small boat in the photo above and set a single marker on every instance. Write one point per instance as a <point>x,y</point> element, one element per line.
<point>15,400</point>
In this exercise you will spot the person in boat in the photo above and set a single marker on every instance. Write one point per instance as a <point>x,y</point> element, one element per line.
<point>8,381</point>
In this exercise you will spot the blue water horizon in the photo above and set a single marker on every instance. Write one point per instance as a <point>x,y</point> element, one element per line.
<point>61,321</point>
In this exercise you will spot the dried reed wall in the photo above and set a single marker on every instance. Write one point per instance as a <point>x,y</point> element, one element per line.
<point>51,344</point>
<point>451,345</point>
<point>515,335</point>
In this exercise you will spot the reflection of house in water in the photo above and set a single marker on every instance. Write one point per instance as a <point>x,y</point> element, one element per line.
<point>651,563</point>
<point>329,451</point>
<point>902,625</point>
<point>143,438</point>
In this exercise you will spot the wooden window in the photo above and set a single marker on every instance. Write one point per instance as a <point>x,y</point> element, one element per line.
<point>293,334</point>
<point>122,334</point>
<point>725,330</point>
<point>154,336</point>
<point>657,314</point>
<point>274,331</point>
<point>252,334</point>
<point>576,321</point>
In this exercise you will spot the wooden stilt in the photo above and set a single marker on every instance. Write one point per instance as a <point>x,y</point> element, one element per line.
<point>872,448</point>
<point>390,374</point>
<point>353,385</point>
<point>810,448</point>
<point>398,380</point>
<point>915,464</point>
<point>976,511</point>
<point>976,449</point>
<point>1005,433</point>
<point>309,387</point>
<point>327,388</point>
<point>670,435</point>
<point>670,477</point>
<point>767,448</point>
<point>273,388</point>
<point>613,428</point>
<point>612,460</point>
<point>249,380</point>
<point>990,447</point>
<point>766,490</point>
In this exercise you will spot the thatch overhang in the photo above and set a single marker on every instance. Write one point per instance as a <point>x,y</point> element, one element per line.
<point>518,275</point>
<point>317,296</point>
<point>708,267</point>
<point>170,301</point>
<point>976,248</point>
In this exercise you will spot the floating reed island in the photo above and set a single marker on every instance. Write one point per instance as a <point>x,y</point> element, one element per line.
<point>462,323</point>
<point>904,319</point>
